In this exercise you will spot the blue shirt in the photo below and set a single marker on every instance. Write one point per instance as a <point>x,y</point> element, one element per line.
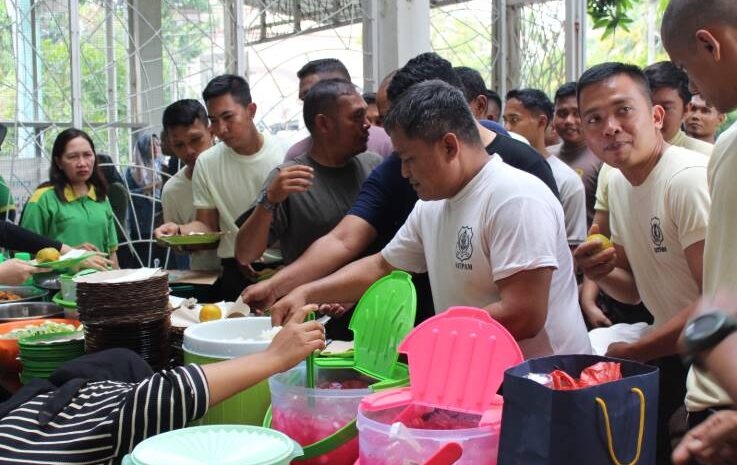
<point>493,126</point>
<point>386,198</point>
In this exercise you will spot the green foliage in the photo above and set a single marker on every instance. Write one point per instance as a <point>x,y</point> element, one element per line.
<point>610,15</point>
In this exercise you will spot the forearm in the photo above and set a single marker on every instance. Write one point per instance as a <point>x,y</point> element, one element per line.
<point>620,284</point>
<point>16,238</point>
<point>663,340</point>
<point>323,257</point>
<point>230,377</point>
<point>253,236</point>
<point>589,291</point>
<point>516,322</point>
<point>347,284</point>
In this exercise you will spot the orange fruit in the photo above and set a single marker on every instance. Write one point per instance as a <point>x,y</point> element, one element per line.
<point>605,242</point>
<point>210,312</point>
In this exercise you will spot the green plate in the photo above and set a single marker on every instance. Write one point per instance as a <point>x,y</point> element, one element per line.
<point>61,265</point>
<point>64,303</point>
<point>191,239</point>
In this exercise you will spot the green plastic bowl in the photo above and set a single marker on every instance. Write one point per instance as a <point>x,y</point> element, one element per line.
<point>216,444</point>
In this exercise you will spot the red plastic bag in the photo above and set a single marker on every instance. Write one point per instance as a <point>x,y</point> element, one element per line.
<point>600,373</point>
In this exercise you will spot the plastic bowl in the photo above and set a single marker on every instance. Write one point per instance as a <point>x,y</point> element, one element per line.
<point>227,338</point>
<point>383,441</point>
<point>9,347</point>
<point>309,415</point>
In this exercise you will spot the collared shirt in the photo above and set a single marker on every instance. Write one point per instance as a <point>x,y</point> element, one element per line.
<point>6,198</point>
<point>75,220</point>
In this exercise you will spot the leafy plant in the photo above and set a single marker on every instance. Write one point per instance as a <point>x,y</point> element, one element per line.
<point>610,15</point>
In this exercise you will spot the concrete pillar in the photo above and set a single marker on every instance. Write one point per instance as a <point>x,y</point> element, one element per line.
<point>575,29</point>
<point>394,32</point>
<point>147,67</point>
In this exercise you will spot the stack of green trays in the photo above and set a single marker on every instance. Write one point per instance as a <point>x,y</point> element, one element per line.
<point>41,355</point>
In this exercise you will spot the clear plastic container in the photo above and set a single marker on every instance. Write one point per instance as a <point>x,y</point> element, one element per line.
<point>310,415</point>
<point>385,441</point>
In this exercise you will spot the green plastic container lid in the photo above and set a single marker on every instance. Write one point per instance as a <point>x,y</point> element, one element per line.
<point>382,319</point>
<point>216,444</point>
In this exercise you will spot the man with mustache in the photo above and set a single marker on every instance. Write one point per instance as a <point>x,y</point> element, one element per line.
<point>659,207</point>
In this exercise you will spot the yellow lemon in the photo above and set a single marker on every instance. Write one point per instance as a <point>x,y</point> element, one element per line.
<point>210,312</point>
<point>49,254</point>
<point>605,242</point>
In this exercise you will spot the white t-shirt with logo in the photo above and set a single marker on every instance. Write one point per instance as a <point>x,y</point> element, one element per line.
<point>229,182</point>
<point>656,221</point>
<point>502,222</point>
<point>573,197</point>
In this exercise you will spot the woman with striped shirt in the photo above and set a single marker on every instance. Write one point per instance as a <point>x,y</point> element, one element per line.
<point>101,421</point>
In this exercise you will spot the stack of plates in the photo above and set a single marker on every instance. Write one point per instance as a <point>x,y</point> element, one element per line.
<point>131,314</point>
<point>41,355</point>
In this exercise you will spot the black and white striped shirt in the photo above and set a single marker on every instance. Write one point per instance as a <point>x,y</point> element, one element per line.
<point>103,422</point>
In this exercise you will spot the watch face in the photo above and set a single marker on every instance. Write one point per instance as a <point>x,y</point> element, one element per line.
<point>704,326</point>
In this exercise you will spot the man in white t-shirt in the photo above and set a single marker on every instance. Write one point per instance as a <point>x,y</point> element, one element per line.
<point>186,128</point>
<point>659,205</point>
<point>487,234</point>
<point>702,40</point>
<point>227,177</point>
<point>529,112</point>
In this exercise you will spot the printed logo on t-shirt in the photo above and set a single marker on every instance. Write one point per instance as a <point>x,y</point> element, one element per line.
<point>464,247</point>
<point>656,234</point>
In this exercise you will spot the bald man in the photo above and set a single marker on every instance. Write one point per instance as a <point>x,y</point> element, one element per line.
<point>701,38</point>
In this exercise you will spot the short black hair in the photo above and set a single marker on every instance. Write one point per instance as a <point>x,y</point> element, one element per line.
<point>184,113</point>
<point>369,97</point>
<point>664,74</point>
<point>323,97</point>
<point>431,109</point>
<point>473,83</point>
<point>566,90</point>
<point>423,67</point>
<point>533,100</point>
<point>682,18</point>
<point>493,96</point>
<point>231,84</point>
<point>324,66</point>
<point>603,71</point>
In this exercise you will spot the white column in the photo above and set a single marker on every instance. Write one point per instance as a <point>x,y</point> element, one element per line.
<point>575,27</point>
<point>402,32</point>
<point>76,69</point>
<point>112,81</point>
<point>147,82</point>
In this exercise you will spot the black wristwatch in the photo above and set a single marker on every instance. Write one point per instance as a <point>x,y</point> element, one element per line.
<point>706,331</point>
<point>263,200</point>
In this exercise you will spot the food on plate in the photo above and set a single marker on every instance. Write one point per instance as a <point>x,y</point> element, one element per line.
<point>605,242</point>
<point>210,312</point>
<point>7,295</point>
<point>47,327</point>
<point>49,254</point>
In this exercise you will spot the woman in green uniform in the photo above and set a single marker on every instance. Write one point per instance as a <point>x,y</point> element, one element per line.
<point>72,207</point>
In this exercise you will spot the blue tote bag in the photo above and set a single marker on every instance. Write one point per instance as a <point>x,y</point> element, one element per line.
<point>612,423</point>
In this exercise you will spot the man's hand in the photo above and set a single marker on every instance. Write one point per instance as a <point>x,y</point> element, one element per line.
<point>284,309</point>
<point>297,339</point>
<point>296,178</point>
<point>624,350</point>
<point>87,246</point>
<point>595,263</point>
<point>166,229</point>
<point>97,262</point>
<point>712,442</point>
<point>594,315</point>
<point>15,272</point>
<point>259,296</point>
